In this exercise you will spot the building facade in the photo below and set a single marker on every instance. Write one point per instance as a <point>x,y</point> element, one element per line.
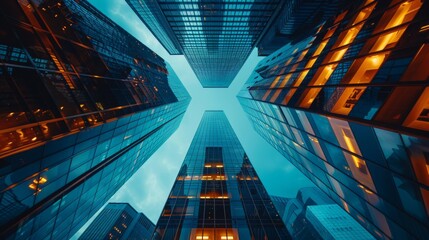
<point>348,107</point>
<point>297,19</point>
<point>83,105</point>
<point>217,194</point>
<point>216,37</point>
<point>280,203</point>
<point>119,221</point>
<point>294,215</point>
<point>330,221</point>
<point>313,215</point>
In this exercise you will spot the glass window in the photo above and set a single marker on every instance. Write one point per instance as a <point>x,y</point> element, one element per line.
<point>363,135</point>
<point>418,151</point>
<point>409,193</point>
<point>394,151</point>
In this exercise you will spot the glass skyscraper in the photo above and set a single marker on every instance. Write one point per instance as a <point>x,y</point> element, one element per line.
<point>119,221</point>
<point>348,106</point>
<point>332,222</point>
<point>216,37</point>
<point>83,105</point>
<point>279,203</point>
<point>313,215</point>
<point>217,193</point>
<point>297,19</point>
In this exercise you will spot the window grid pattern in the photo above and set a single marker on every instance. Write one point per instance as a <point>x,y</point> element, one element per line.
<point>333,223</point>
<point>355,87</point>
<point>217,192</point>
<point>119,221</point>
<point>216,37</point>
<point>147,12</point>
<point>353,179</point>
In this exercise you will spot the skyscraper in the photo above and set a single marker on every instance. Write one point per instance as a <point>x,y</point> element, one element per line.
<point>217,193</point>
<point>280,203</point>
<point>297,19</point>
<point>313,215</point>
<point>216,37</point>
<point>119,221</point>
<point>83,105</point>
<point>332,222</point>
<point>348,107</point>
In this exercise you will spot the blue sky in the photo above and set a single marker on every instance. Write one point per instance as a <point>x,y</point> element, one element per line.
<point>148,189</point>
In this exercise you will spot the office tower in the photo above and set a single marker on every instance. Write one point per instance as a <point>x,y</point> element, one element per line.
<point>217,193</point>
<point>313,215</point>
<point>294,215</point>
<point>280,203</point>
<point>348,107</point>
<point>216,37</point>
<point>119,221</point>
<point>297,19</point>
<point>83,105</point>
<point>332,222</point>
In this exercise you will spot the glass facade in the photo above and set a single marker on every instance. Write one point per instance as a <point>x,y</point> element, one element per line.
<point>297,19</point>
<point>84,105</point>
<point>332,222</point>
<point>216,37</point>
<point>294,215</point>
<point>347,106</point>
<point>119,221</point>
<point>217,193</point>
<point>150,13</point>
<point>308,217</point>
<point>279,203</point>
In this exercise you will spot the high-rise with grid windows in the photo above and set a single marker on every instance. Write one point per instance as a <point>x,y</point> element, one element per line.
<point>348,106</point>
<point>217,193</point>
<point>216,37</point>
<point>83,105</point>
<point>119,221</point>
<point>296,19</point>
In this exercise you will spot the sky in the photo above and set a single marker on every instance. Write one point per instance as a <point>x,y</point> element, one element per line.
<point>148,188</point>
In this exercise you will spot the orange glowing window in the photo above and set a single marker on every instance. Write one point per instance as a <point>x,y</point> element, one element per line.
<point>347,141</point>
<point>212,177</point>
<point>343,42</point>
<point>320,48</point>
<point>285,80</point>
<point>303,53</point>
<point>274,83</point>
<point>363,70</point>
<point>275,95</point>
<point>214,233</point>
<point>311,62</point>
<point>213,195</point>
<point>418,117</point>
<point>288,61</point>
<point>36,184</point>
